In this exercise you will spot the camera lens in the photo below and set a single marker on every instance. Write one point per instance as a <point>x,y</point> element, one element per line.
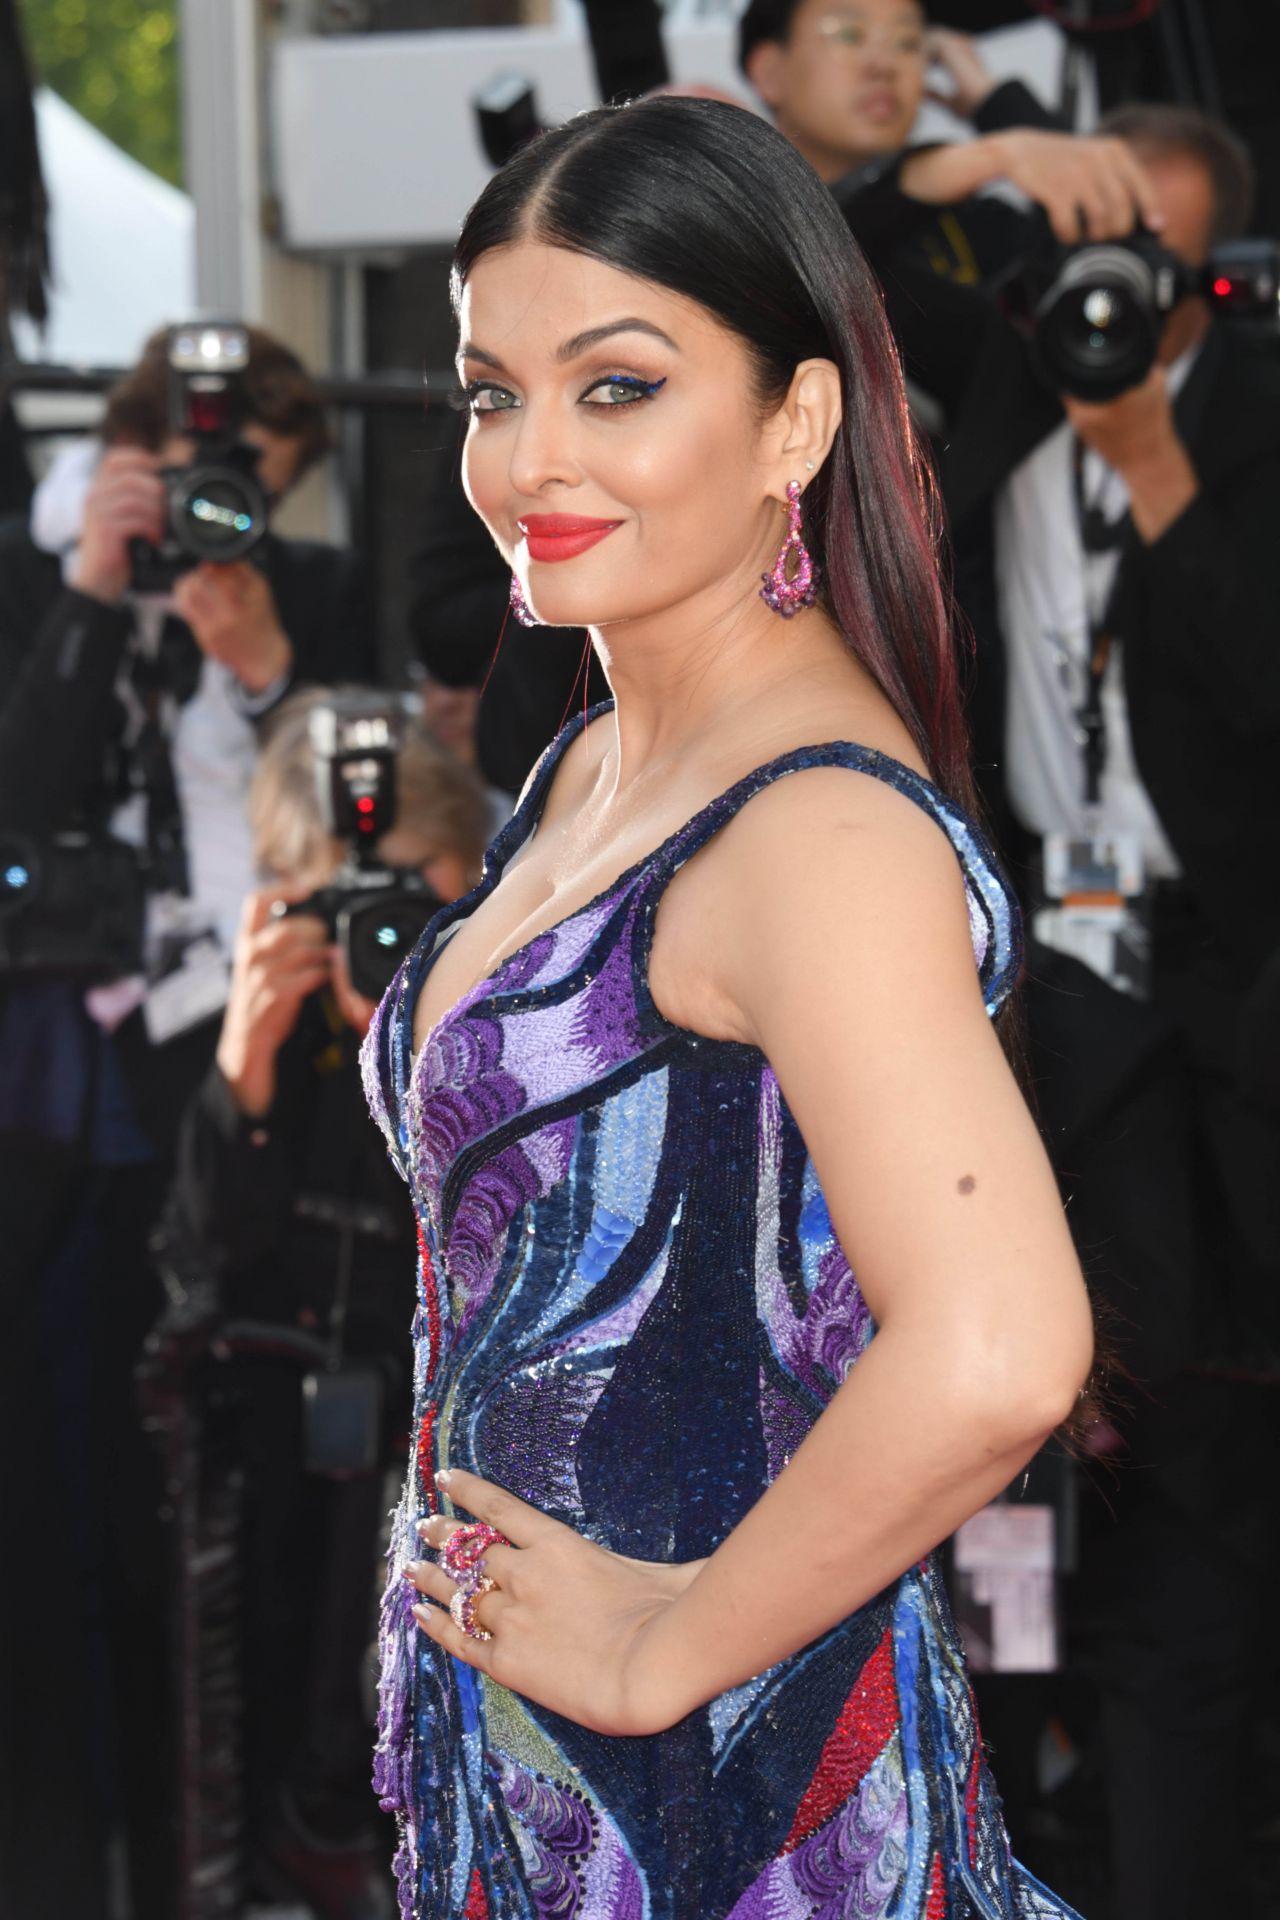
<point>19,875</point>
<point>1097,327</point>
<point>379,933</point>
<point>217,513</point>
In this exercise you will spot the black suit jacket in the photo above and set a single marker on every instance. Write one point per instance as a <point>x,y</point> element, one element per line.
<point>60,655</point>
<point>1195,616</point>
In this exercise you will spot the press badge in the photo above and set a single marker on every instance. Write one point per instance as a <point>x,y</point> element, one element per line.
<point>1096,907</point>
<point>1004,1589</point>
<point>190,972</point>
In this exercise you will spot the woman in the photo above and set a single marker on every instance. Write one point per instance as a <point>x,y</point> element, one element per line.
<point>707,1041</point>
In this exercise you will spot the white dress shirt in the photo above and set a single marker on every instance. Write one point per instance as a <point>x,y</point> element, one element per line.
<point>1049,589</point>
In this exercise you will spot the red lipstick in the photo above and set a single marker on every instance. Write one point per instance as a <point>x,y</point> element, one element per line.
<point>562,536</point>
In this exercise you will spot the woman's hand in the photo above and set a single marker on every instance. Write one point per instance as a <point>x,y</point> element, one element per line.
<point>572,1624</point>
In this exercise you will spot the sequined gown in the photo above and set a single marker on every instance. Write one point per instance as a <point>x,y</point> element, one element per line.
<point>632,1308</point>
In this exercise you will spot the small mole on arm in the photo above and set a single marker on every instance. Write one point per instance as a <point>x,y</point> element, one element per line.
<point>967,1184</point>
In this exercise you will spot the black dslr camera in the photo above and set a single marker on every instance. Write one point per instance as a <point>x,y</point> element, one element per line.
<point>216,508</point>
<point>374,913</point>
<point>71,907</point>
<point>1097,326</point>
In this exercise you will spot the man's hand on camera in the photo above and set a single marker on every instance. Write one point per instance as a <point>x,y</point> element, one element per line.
<point>232,612</point>
<point>355,1009</point>
<point>958,56</point>
<point>1090,188</point>
<point>277,963</point>
<point>126,502</point>
<point>1137,435</point>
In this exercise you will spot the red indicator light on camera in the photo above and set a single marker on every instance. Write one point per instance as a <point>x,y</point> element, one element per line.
<point>1222,286</point>
<point>207,412</point>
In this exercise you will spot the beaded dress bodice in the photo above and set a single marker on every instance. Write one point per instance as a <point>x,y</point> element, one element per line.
<point>632,1308</point>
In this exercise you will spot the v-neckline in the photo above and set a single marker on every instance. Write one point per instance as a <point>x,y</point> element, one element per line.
<point>529,815</point>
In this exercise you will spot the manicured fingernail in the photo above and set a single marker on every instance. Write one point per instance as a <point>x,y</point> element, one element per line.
<point>422,1527</point>
<point>412,1568</point>
<point>443,1477</point>
<point>420,1614</point>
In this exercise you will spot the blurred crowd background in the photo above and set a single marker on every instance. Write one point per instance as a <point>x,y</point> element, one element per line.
<point>261,710</point>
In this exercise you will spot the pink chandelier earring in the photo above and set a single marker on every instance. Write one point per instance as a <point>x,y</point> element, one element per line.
<point>793,581</point>
<point>520,606</point>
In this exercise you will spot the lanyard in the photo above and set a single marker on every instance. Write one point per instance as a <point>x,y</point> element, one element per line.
<point>1097,535</point>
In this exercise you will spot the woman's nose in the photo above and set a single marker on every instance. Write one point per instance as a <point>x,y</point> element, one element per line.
<point>542,450</point>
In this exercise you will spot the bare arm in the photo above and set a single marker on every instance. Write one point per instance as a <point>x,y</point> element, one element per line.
<point>856,978</point>
<point>853,972</point>
<point>1091,188</point>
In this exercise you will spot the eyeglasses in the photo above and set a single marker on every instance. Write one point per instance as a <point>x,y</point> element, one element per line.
<point>851,35</point>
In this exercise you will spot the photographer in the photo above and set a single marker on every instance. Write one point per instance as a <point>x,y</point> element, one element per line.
<point>132,684</point>
<point>1136,734</point>
<point>284,1196</point>
<point>845,81</point>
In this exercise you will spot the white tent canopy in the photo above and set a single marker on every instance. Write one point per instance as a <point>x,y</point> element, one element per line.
<point>122,242</point>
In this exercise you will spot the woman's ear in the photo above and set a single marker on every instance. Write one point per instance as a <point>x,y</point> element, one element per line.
<point>805,426</point>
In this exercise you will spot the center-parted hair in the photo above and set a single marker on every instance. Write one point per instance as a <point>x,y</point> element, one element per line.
<point>708,201</point>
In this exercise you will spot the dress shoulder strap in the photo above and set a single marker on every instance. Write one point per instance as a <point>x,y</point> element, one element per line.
<point>529,808</point>
<point>993,912</point>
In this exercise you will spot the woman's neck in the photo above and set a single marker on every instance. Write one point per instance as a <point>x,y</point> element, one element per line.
<point>685,677</point>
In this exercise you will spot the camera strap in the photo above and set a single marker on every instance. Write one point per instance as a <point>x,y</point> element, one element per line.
<point>1093,875</point>
<point>168,672</point>
<point>1098,535</point>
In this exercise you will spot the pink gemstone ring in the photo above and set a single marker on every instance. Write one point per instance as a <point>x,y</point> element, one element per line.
<point>462,1609</point>
<point>462,1555</point>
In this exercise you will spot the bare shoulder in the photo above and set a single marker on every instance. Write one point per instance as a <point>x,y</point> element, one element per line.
<point>836,843</point>
<point>828,881</point>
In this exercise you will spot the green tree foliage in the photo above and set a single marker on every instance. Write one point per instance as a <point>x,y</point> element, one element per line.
<point>114,61</point>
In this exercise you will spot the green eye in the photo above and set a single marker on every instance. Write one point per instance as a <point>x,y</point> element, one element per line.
<point>624,390</point>
<point>492,399</point>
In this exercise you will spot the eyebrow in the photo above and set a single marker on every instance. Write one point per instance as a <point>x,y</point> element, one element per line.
<point>570,349</point>
<point>578,343</point>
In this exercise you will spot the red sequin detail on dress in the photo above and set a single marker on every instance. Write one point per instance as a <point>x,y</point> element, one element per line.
<point>936,1906</point>
<point>971,1797</point>
<point>477,1907</point>
<point>868,1719</point>
<point>427,1425</point>
<point>426,1473</point>
<point>430,1300</point>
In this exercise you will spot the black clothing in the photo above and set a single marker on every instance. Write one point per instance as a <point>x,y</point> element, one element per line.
<point>626,48</point>
<point>77,1292</point>
<point>253,1199</point>
<point>1173,1620</point>
<point>1202,678</point>
<point>271,1209</point>
<point>1202,673</point>
<point>975,243</point>
<point>61,652</point>
<point>1168,1161</point>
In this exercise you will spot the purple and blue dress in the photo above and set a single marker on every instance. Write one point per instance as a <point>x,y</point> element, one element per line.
<point>632,1308</point>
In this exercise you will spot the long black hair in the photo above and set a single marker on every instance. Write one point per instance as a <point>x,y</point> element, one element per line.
<point>709,201</point>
